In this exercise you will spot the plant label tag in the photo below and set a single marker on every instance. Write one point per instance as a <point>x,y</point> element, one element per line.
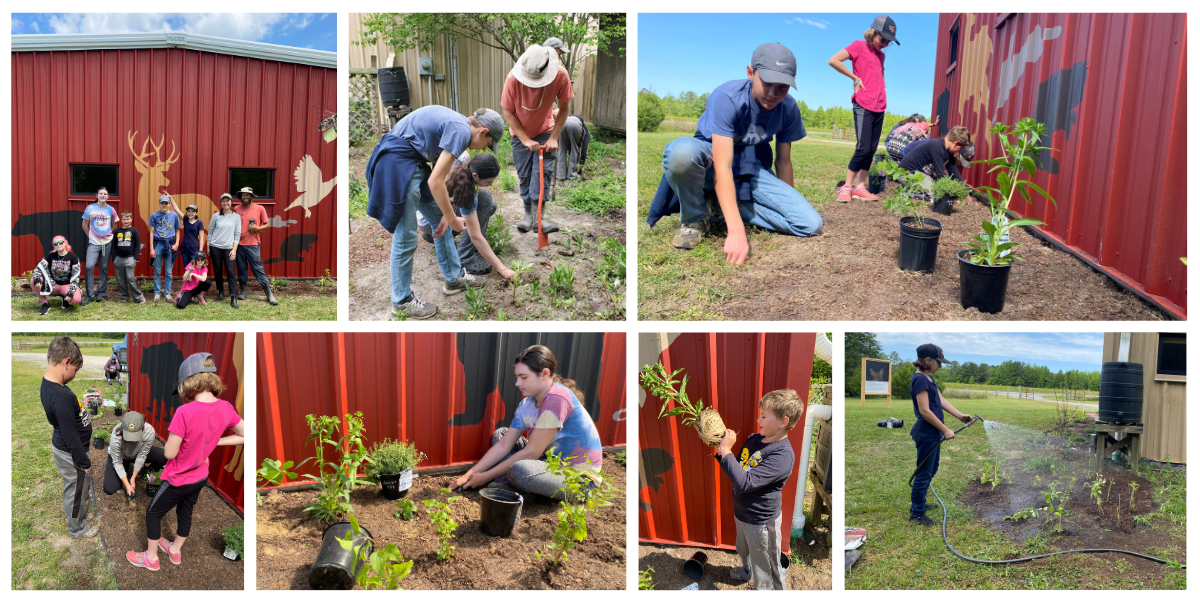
<point>230,554</point>
<point>1000,221</point>
<point>405,481</point>
<point>694,586</point>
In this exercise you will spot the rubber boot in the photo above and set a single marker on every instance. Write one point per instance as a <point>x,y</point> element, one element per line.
<point>529,221</point>
<point>220,295</point>
<point>233,300</point>
<point>547,226</point>
<point>271,298</point>
<point>241,290</point>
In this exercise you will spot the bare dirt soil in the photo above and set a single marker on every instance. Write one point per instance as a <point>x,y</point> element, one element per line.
<point>850,273</point>
<point>123,526</point>
<point>288,542</point>
<point>370,247</point>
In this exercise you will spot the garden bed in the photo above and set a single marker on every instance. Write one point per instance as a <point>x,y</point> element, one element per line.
<point>123,526</point>
<point>288,541</point>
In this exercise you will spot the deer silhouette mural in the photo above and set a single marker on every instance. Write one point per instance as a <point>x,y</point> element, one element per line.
<point>154,181</point>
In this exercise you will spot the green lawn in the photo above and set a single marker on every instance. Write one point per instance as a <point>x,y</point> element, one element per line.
<point>682,285</point>
<point>1092,395</point>
<point>44,557</point>
<point>253,308</point>
<point>899,555</point>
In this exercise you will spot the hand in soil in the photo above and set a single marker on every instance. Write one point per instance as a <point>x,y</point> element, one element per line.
<point>737,249</point>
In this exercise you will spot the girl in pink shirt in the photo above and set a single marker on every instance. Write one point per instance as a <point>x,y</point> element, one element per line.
<point>196,430</point>
<point>869,100</point>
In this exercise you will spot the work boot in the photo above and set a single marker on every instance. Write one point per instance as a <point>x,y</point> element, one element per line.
<point>922,520</point>
<point>233,300</point>
<point>690,235</point>
<point>427,233</point>
<point>529,221</point>
<point>414,308</point>
<point>220,295</point>
<point>271,298</point>
<point>241,290</point>
<point>476,265</point>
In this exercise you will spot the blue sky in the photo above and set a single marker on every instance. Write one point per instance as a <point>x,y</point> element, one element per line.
<point>317,31</point>
<point>1064,351</point>
<point>698,52</point>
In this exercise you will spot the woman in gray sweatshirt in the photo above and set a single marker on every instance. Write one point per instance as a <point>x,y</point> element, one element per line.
<point>131,451</point>
<point>224,231</point>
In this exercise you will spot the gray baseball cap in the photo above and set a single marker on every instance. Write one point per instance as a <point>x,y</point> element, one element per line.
<point>164,199</point>
<point>193,207</point>
<point>193,365</point>
<point>494,123</point>
<point>886,27</point>
<point>132,425</point>
<point>557,44</point>
<point>775,63</point>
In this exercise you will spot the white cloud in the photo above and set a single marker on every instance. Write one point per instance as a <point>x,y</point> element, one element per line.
<point>240,26</point>
<point>16,25</point>
<point>34,26</point>
<point>1024,347</point>
<point>817,24</point>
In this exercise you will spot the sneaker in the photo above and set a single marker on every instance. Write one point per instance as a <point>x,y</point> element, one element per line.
<point>175,557</point>
<point>922,520</point>
<point>45,309</point>
<point>65,304</point>
<point>158,297</point>
<point>467,280</point>
<point>415,308</point>
<point>690,235</point>
<point>863,193</point>
<point>202,300</point>
<point>98,298</point>
<point>141,300</point>
<point>88,533</point>
<point>844,194</point>
<point>739,574</point>
<point>84,301</point>
<point>477,266</point>
<point>141,559</point>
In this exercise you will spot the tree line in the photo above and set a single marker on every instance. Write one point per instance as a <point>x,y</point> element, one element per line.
<point>653,109</point>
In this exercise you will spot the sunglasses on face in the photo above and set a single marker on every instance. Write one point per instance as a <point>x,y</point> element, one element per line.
<point>59,243</point>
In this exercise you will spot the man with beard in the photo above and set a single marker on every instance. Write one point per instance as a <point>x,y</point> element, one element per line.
<point>254,220</point>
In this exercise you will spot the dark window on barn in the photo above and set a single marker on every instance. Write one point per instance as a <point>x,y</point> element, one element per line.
<point>1172,354</point>
<point>953,45</point>
<point>86,179</point>
<point>262,181</point>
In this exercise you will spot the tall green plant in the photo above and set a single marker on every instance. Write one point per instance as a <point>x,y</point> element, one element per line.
<point>335,480</point>
<point>909,198</point>
<point>580,497</point>
<point>439,515</point>
<point>992,246</point>
<point>662,385</point>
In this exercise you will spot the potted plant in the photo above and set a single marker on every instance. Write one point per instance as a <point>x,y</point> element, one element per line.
<point>153,481</point>
<point>119,409</point>
<point>918,234</point>
<point>234,541</point>
<point>391,467</point>
<point>946,191</point>
<point>877,178</point>
<point>707,422</point>
<point>100,439</point>
<point>984,267</point>
<point>94,400</point>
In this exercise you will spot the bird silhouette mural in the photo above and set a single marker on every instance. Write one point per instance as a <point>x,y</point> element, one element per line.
<point>308,182</point>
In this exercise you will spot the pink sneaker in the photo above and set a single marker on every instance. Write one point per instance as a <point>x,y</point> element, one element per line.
<point>140,559</point>
<point>202,300</point>
<point>864,194</point>
<point>176,557</point>
<point>844,194</point>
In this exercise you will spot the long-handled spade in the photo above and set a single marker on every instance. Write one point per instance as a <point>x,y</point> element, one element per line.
<point>543,241</point>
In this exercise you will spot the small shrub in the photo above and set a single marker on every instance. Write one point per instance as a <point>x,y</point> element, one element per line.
<point>646,579</point>
<point>498,234</point>
<point>991,474</point>
<point>578,501</point>
<point>234,537</point>
<point>102,435</point>
<point>406,510</point>
<point>949,187</point>
<point>336,480</point>
<point>439,515</point>
<point>650,111</point>
<point>390,457</point>
<point>326,281</point>
<point>562,280</point>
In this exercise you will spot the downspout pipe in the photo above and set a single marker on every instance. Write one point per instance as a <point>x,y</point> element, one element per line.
<point>824,350</point>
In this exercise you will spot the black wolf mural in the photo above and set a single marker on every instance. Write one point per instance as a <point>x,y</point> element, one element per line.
<point>160,364</point>
<point>46,225</point>
<point>655,463</point>
<point>1058,97</point>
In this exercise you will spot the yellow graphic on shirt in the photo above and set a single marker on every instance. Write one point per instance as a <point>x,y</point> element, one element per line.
<point>750,461</point>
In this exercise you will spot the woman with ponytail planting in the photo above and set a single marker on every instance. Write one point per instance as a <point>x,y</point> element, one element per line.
<point>57,275</point>
<point>549,419</point>
<point>476,207</point>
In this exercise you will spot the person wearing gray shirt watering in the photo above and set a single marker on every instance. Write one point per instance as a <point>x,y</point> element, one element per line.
<point>131,451</point>
<point>224,230</point>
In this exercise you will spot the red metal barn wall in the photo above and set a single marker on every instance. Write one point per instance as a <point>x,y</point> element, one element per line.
<point>154,360</point>
<point>444,392</point>
<point>1112,91</point>
<point>683,496</point>
<point>214,110</point>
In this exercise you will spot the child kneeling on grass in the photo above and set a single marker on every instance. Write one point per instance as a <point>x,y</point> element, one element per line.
<point>758,473</point>
<point>930,427</point>
<point>195,432</point>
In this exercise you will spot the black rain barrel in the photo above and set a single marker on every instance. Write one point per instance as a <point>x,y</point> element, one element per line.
<point>393,86</point>
<point>1121,392</point>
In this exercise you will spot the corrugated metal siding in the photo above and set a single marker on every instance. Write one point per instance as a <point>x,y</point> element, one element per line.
<point>1164,403</point>
<point>421,386</point>
<point>154,360</point>
<point>1112,89</point>
<point>217,111</point>
<point>683,496</point>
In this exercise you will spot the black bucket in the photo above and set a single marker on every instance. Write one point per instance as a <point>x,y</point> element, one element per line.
<point>118,412</point>
<point>152,489</point>
<point>1120,392</point>
<point>943,205</point>
<point>981,286</point>
<point>396,485</point>
<point>918,247</point>
<point>393,86</point>
<point>499,511</point>
<point>98,443</point>
<point>693,568</point>
<point>94,410</point>
<point>333,569</point>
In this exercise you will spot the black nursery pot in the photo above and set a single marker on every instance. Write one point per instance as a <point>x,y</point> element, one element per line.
<point>918,247</point>
<point>118,411</point>
<point>152,489</point>
<point>333,569</point>
<point>876,183</point>
<point>943,205</point>
<point>499,511</point>
<point>94,411</point>
<point>396,485</point>
<point>98,443</point>
<point>981,286</point>
<point>693,568</point>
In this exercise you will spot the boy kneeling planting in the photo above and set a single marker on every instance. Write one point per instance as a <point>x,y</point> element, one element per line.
<point>758,473</point>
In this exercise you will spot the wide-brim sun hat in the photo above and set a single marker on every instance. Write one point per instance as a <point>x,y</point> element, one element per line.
<point>537,67</point>
<point>247,190</point>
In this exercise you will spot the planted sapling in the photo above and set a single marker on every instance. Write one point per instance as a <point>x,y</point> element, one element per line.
<point>382,569</point>
<point>476,304</point>
<point>706,421</point>
<point>991,474</point>
<point>235,541</point>
<point>336,479</point>
<point>1022,514</point>
<point>646,579</point>
<point>519,268</point>
<point>1095,493</point>
<point>1133,488</point>
<point>439,515</point>
<point>581,496</point>
<point>406,510</point>
<point>562,280</point>
<point>909,200</point>
<point>949,187</point>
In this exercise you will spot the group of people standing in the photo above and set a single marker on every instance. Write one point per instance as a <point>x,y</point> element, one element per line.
<point>423,165</point>
<point>232,237</point>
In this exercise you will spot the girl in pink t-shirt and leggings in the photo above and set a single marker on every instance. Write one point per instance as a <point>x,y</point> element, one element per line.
<point>196,430</point>
<point>869,100</point>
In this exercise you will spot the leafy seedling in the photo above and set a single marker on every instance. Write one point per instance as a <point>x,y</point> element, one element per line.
<point>382,569</point>
<point>406,510</point>
<point>439,515</point>
<point>1133,488</point>
<point>274,472</point>
<point>1021,515</point>
<point>1095,494</point>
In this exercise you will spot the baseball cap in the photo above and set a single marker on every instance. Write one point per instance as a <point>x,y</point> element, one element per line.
<point>193,365</point>
<point>775,63</point>
<point>163,199</point>
<point>886,27</point>
<point>193,207</point>
<point>494,123</point>
<point>132,425</point>
<point>966,155</point>
<point>226,195</point>
<point>555,43</point>
<point>930,351</point>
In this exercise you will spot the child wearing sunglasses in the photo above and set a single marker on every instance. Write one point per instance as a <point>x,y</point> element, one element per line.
<point>195,281</point>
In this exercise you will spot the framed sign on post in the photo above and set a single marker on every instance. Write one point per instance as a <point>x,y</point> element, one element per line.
<point>876,380</point>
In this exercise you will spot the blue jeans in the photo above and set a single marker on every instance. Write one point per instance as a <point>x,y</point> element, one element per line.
<point>164,257</point>
<point>925,474</point>
<point>776,206</point>
<point>404,241</point>
<point>249,260</point>
<point>485,207</point>
<point>98,256</point>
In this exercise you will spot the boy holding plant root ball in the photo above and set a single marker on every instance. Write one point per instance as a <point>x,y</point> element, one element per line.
<point>758,473</point>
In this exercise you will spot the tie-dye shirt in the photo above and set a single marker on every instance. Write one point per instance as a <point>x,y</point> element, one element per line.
<point>576,437</point>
